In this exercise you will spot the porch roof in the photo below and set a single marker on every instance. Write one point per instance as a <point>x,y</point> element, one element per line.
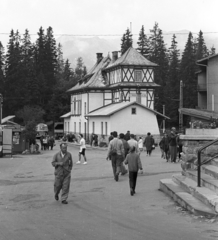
<point>199,113</point>
<point>115,107</point>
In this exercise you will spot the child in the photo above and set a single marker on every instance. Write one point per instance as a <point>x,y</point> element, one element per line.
<point>140,144</point>
<point>134,164</point>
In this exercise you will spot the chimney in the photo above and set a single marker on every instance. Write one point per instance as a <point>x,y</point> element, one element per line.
<point>99,57</point>
<point>114,56</point>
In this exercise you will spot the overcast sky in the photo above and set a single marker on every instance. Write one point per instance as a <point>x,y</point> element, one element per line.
<point>106,16</point>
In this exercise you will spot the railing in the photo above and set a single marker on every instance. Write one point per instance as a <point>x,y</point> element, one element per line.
<point>202,163</point>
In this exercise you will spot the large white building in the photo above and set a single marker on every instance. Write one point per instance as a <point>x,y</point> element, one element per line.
<point>116,95</point>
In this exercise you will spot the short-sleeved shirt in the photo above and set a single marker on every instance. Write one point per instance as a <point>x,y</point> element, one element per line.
<point>82,144</point>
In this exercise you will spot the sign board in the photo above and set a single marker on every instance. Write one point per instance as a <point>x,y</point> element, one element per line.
<point>7,141</point>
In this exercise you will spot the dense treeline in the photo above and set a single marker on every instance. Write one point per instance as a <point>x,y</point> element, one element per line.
<point>35,74</point>
<point>173,67</point>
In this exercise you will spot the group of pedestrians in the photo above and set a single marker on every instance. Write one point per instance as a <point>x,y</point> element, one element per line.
<point>170,146</point>
<point>124,150</point>
<point>47,142</point>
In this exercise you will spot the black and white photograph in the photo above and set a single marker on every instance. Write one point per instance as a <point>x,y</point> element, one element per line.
<point>108,120</point>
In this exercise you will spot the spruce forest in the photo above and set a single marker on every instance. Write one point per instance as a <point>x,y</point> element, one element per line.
<point>174,66</point>
<point>35,75</point>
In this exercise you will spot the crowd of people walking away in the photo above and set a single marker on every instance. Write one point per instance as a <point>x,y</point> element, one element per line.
<point>124,149</point>
<point>47,142</point>
<point>171,146</point>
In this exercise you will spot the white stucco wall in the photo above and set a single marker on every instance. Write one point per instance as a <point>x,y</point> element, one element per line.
<point>98,121</point>
<point>95,100</point>
<point>142,122</point>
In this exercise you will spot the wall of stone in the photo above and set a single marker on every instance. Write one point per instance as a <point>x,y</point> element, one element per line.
<point>189,155</point>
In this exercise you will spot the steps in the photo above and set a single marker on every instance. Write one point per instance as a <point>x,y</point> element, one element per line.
<point>198,200</point>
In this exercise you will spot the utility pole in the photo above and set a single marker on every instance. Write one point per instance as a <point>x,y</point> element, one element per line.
<point>181,106</point>
<point>1,102</point>
<point>164,118</point>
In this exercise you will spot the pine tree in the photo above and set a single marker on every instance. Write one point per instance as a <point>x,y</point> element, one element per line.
<point>13,72</point>
<point>202,51</point>
<point>158,55</point>
<point>143,43</point>
<point>79,70</point>
<point>126,41</point>
<point>187,74</point>
<point>173,83</point>
<point>212,51</point>
<point>68,72</point>
<point>51,59</point>
<point>2,69</point>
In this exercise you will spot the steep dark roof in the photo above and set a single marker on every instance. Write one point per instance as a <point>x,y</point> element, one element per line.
<point>131,58</point>
<point>94,78</point>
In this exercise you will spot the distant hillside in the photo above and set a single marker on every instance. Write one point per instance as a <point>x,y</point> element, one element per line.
<point>87,47</point>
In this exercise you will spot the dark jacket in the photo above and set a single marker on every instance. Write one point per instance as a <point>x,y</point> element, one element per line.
<point>67,163</point>
<point>149,141</point>
<point>173,139</point>
<point>133,161</point>
<point>164,144</point>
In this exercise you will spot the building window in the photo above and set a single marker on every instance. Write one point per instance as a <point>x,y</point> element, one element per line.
<point>93,127</point>
<point>133,110</point>
<point>138,75</point>
<point>84,108</point>
<point>102,128</point>
<point>106,128</point>
<point>79,127</point>
<point>74,108</point>
<point>74,127</point>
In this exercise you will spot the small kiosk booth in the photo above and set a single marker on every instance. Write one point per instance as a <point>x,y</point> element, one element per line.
<point>13,141</point>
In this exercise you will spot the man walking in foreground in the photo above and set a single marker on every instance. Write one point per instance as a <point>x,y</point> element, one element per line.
<point>63,163</point>
<point>116,154</point>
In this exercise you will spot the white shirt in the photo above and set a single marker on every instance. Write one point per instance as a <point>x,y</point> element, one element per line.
<point>82,144</point>
<point>140,143</point>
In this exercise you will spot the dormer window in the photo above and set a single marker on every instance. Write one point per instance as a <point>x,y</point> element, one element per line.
<point>138,75</point>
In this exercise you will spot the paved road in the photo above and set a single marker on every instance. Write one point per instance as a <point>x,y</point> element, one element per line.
<point>99,208</point>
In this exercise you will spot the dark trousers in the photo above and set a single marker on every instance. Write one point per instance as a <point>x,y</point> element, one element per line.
<point>173,153</point>
<point>132,180</point>
<point>62,183</point>
<point>149,152</point>
<point>116,164</point>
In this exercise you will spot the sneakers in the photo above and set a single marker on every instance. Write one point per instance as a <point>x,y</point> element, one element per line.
<point>85,163</point>
<point>64,202</point>
<point>78,162</point>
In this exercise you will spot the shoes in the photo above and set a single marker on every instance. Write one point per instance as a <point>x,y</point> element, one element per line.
<point>64,202</point>
<point>134,192</point>
<point>116,177</point>
<point>131,192</point>
<point>56,197</point>
<point>78,162</point>
<point>85,163</point>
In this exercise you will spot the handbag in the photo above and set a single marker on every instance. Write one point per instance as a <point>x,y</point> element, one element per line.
<point>153,147</point>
